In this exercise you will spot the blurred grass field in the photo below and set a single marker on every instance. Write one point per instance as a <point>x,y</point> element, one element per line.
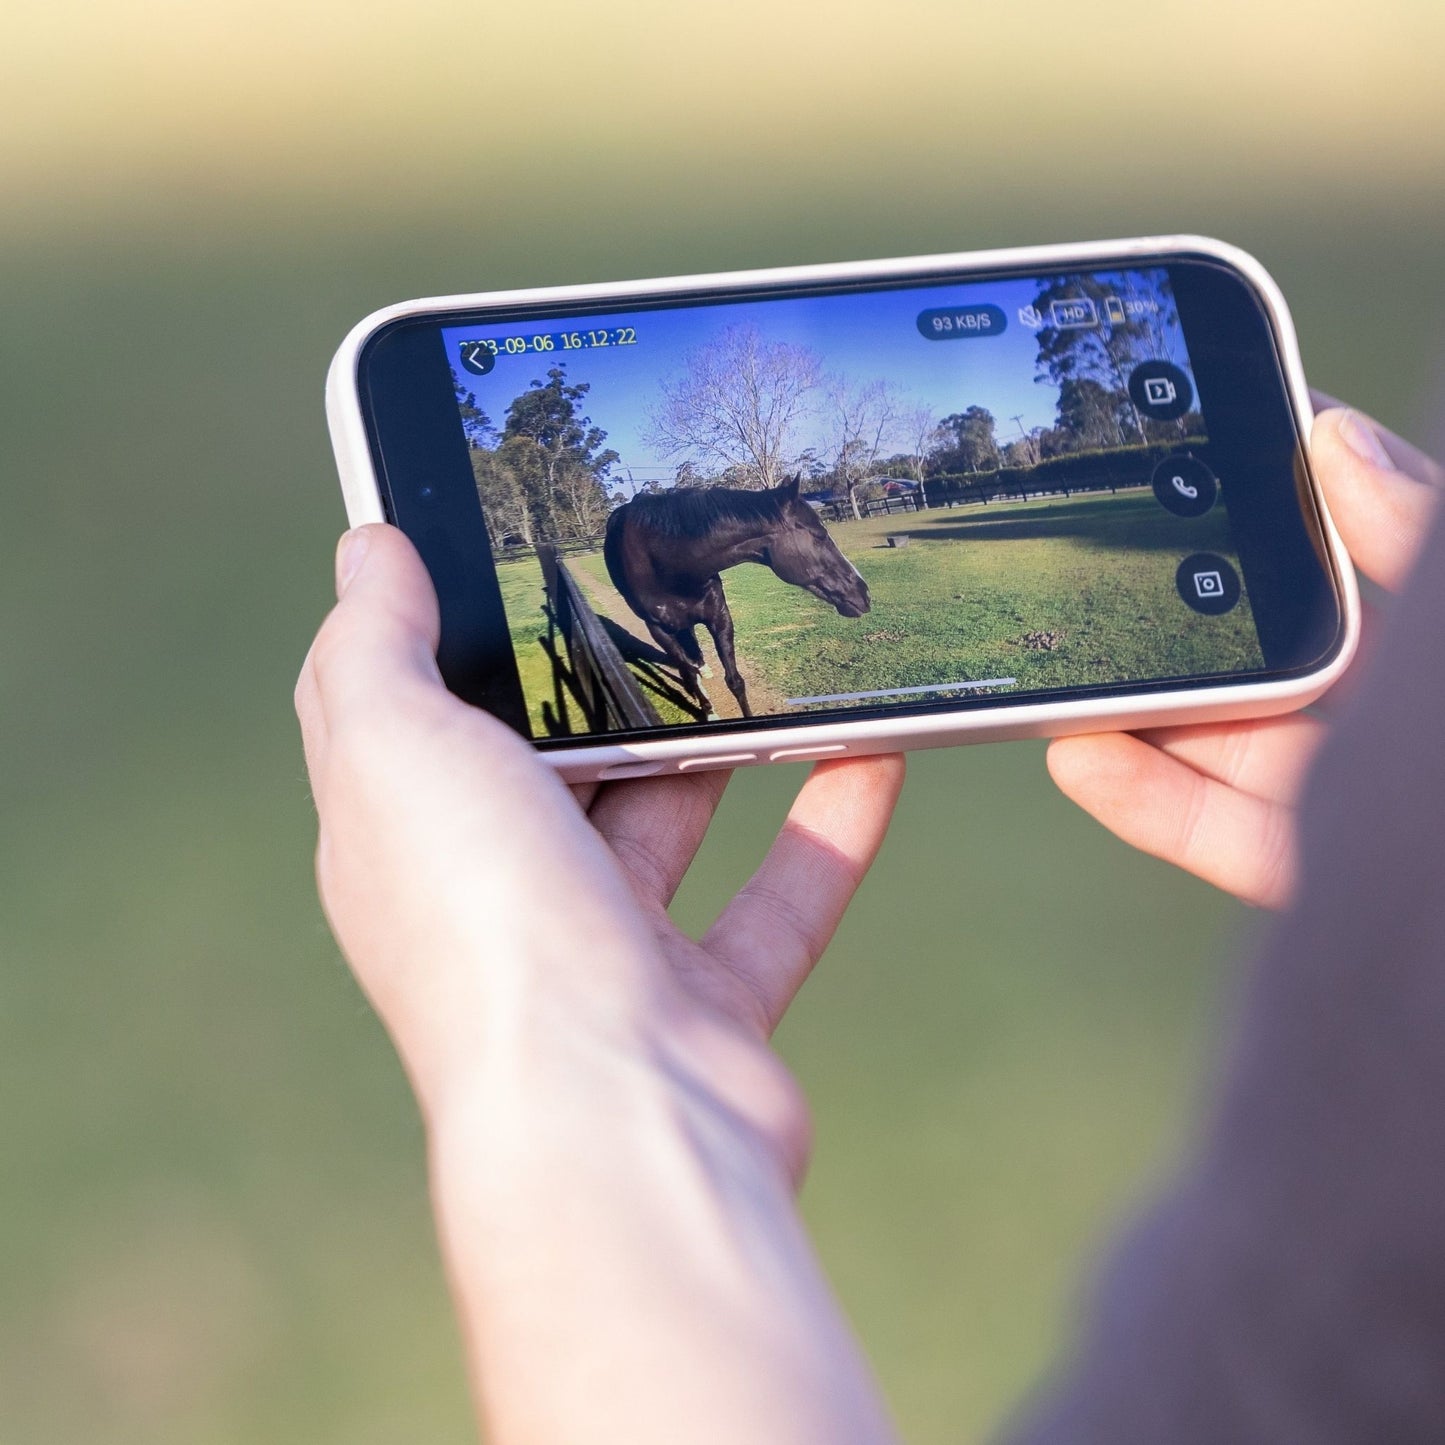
<point>213,1224</point>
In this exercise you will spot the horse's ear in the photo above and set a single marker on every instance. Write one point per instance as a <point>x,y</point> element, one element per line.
<point>789,487</point>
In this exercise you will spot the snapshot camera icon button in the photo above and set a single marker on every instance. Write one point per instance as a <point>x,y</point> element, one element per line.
<point>1160,390</point>
<point>1185,486</point>
<point>1207,583</point>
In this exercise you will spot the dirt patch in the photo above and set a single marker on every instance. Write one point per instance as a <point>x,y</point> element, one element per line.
<point>1039,641</point>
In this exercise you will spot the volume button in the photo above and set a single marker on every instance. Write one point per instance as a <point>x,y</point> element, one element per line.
<point>628,770</point>
<point>800,755</point>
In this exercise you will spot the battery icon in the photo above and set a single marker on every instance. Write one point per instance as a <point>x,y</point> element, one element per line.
<point>1114,311</point>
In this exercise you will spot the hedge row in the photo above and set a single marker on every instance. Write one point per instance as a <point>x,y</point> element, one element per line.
<point>1075,472</point>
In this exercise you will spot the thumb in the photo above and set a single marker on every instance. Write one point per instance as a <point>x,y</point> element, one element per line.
<point>381,638</point>
<point>1381,493</point>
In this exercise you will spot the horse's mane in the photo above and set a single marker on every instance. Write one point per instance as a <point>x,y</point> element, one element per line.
<point>695,511</point>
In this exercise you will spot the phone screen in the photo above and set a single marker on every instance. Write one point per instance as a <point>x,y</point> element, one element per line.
<point>908,494</point>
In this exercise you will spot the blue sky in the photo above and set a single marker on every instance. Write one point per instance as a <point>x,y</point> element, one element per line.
<point>865,335</point>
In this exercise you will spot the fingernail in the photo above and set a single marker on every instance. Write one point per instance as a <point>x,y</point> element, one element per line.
<point>350,554</point>
<point>1364,441</point>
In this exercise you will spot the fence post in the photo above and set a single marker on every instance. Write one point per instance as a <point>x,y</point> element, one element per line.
<point>595,672</point>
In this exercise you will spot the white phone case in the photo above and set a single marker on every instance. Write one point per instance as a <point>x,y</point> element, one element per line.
<point>842,737</point>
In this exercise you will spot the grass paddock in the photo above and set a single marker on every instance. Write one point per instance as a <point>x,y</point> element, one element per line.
<point>1055,592</point>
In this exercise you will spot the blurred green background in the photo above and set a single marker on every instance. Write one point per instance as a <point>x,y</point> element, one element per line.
<point>213,1225</point>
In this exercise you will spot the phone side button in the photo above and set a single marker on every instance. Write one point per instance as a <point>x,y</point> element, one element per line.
<point>723,760</point>
<point>628,770</point>
<point>803,755</point>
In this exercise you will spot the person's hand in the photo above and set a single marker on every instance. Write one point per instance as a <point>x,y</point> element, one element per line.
<point>1219,799</point>
<point>614,1145</point>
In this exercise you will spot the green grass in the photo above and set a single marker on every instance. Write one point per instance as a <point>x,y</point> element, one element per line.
<point>974,587</point>
<point>521,583</point>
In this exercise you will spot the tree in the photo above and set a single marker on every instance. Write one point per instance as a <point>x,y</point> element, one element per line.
<point>557,458</point>
<point>737,405</point>
<point>476,424</point>
<point>1090,415</point>
<point>862,418</point>
<point>505,511</point>
<point>972,439</point>
<point>923,435</point>
<point>1109,349</point>
<point>512,485</point>
<point>1020,453</point>
<point>811,465</point>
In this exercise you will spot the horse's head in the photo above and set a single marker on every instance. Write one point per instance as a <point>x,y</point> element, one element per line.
<point>800,551</point>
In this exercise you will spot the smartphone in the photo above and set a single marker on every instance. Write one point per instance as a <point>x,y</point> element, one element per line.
<point>826,510</point>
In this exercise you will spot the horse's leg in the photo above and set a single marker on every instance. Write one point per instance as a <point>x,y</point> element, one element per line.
<point>681,647</point>
<point>719,621</point>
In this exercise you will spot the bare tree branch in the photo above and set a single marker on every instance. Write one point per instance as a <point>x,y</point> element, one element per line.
<point>737,404</point>
<point>864,419</point>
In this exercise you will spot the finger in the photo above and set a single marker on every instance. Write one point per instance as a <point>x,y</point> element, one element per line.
<point>1381,511</point>
<point>380,641</point>
<point>1267,758</point>
<point>656,825</point>
<point>777,927</point>
<point>1405,456</point>
<point>1160,805</point>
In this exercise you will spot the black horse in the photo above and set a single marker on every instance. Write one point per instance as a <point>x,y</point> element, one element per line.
<point>665,553</point>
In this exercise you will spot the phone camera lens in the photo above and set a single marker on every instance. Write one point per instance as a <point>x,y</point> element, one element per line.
<point>426,493</point>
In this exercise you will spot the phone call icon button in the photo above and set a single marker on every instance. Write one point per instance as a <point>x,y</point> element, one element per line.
<point>1185,486</point>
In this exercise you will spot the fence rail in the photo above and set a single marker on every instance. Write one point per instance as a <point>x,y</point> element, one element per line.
<point>524,551</point>
<point>587,666</point>
<point>842,511</point>
<point>958,492</point>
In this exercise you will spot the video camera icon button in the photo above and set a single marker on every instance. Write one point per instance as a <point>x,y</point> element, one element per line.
<point>1185,486</point>
<point>1207,583</point>
<point>1160,390</point>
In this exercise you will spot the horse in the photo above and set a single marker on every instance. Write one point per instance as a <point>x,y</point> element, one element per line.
<point>666,551</point>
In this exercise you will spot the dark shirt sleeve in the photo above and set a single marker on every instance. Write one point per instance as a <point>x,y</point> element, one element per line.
<point>1289,1286</point>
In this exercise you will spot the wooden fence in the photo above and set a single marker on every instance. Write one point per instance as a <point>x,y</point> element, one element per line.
<point>517,551</point>
<point>587,668</point>
<point>593,661</point>
<point>842,511</point>
<point>963,492</point>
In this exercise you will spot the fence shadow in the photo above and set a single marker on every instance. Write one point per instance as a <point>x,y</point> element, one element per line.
<point>599,669</point>
<point>1136,522</point>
